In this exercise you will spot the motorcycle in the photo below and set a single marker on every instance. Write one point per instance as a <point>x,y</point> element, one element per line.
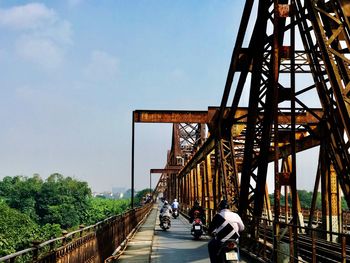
<point>197,228</point>
<point>229,251</point>
<point>165,222</point>
<point>175,212</point>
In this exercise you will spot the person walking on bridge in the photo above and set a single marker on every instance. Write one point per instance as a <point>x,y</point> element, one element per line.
<point>225,225</point>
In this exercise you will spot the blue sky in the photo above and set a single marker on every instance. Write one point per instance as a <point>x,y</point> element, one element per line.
<point>74,70</point>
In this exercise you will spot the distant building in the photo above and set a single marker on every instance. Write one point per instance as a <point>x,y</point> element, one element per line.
<point>109,195</point>
<point>118,190</point>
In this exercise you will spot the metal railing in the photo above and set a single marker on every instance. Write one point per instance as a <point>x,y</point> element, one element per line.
<point>312,243</point>
<point>90,244</point>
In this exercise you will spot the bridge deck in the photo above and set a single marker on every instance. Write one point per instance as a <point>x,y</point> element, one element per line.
<point>151,244</point>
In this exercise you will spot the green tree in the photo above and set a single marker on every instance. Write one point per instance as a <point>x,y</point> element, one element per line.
<point>18,230</point>
<point>20,192</point>
<point>127,194</point>
<point>102,208</point>
<point>140,194</point>
<point>305,199</point>
<point>64,201</point>
<point>35,209</point>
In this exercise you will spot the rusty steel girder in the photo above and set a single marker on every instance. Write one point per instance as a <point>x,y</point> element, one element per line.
<point>272,62</point>
<point>285,85</point>
<point>185,144</point>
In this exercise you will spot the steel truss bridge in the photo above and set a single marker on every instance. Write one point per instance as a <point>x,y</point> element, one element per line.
<point>292,60</point>
<point>294,66</point>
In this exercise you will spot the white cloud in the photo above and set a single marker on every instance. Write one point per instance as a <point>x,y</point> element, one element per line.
<point>102,66</point>
<point>40,51</point>
<point>29,16</point>
<point>60,32</point>
<point>43,36</point>
<point>73,3</point>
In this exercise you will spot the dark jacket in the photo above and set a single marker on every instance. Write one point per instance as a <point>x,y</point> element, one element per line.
<point>197,211</point>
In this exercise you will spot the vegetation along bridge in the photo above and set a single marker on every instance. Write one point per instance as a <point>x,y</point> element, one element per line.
<point>291,60</point>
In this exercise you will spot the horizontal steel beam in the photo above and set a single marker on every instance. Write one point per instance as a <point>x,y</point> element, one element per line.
<point>154,116</point>
<point>301,145</point>
<point>170,116</point>
<point>169,170</point>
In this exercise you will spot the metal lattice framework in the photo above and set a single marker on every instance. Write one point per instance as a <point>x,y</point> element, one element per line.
<point>295,70</point>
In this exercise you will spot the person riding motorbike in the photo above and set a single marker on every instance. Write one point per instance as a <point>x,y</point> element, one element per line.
<point>196,212</point>
<point>175,208</point>
<point>225,225</point>
<point>165,210</point>
<point>175,204</point>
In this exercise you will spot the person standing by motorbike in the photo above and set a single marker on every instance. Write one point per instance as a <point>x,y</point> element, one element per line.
<point>225,225</point>
<point>196,212</point>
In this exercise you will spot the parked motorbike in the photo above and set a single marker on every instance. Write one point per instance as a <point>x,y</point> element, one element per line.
<point>197,228</point>
<point>229,251</point>
<point>165,222</point>
<point>175,212</point>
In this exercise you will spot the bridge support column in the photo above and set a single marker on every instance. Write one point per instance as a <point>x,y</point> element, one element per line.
<point>331,206</point>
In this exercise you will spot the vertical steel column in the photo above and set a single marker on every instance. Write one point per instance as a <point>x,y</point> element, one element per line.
<point>274,81</point>
<point>258,42</point>
<point>209,186</point>
<point>188,196</point>
<point>202,186</point>
<point>295,198</point>
<point>132,159</point>
<point>331,202</point>
<point>195,183</point>
<point>324,189</point>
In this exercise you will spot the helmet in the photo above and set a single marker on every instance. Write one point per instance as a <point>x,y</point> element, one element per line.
<point>196,202</point>
<point>223,204</point>
<point>165,202</point>
<point>175,200</point>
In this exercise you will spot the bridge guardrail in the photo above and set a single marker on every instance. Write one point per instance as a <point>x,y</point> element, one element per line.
<point>88,244</point>
<point>311,242</point>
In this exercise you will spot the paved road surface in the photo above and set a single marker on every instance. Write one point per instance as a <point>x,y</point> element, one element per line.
<point>177,244</point>
<point>152,244</point>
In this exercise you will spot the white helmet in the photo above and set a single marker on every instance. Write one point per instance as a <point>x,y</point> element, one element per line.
<point>175,200</point>
<point>165,202</point>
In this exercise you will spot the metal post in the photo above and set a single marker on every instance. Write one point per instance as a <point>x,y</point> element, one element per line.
<point>343,248</point>
<point>132,160</point>
<point>313,246</point>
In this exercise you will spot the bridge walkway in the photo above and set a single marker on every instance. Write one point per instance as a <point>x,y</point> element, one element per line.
<point>152,244</point>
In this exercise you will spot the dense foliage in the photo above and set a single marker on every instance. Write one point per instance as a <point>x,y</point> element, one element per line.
<point>101,208</point>
<point>141,194</point>
<point>36,209</point>
<point>17,230</point>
